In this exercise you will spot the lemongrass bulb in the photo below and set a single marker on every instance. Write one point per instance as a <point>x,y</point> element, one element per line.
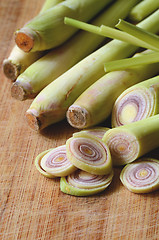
<point>141,176</point>
<point>96,131</point>
<point>89,153</point>
<point>56,162</point>
<point>38,164</point>
<point>81,183</point>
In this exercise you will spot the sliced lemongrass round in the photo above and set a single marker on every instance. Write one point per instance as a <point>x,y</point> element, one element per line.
<point>89,153</point>
<point>81,183</point>
<point>96,131</point>
<point>141,176</point>
<point>133,105</point>
<point>56,162</point>
<point>38,164</point>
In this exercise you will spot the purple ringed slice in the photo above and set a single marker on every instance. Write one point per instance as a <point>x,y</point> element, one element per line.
<point>123,146</point>
<point>56,162</point>
<point>133,105</point>
<point>141,176</point>
<point>89,154</point>
<point>38,164</point>
<point>81,183</point>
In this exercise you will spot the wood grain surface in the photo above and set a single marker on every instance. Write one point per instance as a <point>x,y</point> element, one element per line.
<point>32,206</point>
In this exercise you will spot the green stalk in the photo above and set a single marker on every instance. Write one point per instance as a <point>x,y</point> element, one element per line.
<point>137,102</point>
<point>131,141</point>
<point>143,35</point>
<point>131,62</point>
<point>18,61</point>
<point>95,104</point>
<point>49,4</point>
<point>52,102</point>
<point>48,30</point>
<point>59,60</point>
<point>143,9</point>
<point>108,32</point>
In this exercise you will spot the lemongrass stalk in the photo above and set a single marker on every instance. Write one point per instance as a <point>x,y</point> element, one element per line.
<point>49,4</point>
<point>18,61</point>
<point>38,165</point>
<point>56,163</point>
<point>48,30</point>
<point>131,62</point>
<point>81,183</point>
<point>143,35</point>
<point>89,153</point>
<point>137,102</point>
<point>96,131</point>
<point>95,104</point>
<point>142,176</point>
<point>108,32</point>
<point>52,102</point>
<point>129,142</point>
<point>59,60</point>
<point>143,9</point>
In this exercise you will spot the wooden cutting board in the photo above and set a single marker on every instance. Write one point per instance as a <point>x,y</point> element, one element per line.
<point>32,206</point>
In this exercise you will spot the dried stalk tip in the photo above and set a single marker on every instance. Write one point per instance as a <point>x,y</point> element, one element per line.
<point>77,117</point>
<point>17,92</point>
<point>10,70</point>
<point>33,121</point>
<point>24,41</point>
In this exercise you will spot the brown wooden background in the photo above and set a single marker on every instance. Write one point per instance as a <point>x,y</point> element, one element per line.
<point>31,206</point>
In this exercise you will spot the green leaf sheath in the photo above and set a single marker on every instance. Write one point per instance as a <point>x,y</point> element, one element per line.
<point>137,102</point>
<point>143,9</point>
<point>81,183</point>
<point>141,176</point>
<point>48,30</point>
<point>49,4</point>
<point>89,153</point>
<point>59,60</point>
<point>96,131</point>
<point>52,102</point>
<point>146,36</point>
<point>95,104</point>
<point>129,142</point>
<point>18,61</point>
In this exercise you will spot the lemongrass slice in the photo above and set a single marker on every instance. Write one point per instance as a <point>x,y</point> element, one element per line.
<point>137,102</point>
<point>129,142</point>
<point>81,183</point>
<point>142,176</point>
<point>96,131</point>
<point>56,162</point>
<point>89,153</point>
<point>38,164</point>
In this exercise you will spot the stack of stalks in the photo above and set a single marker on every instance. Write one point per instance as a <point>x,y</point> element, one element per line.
<point>63,69</point>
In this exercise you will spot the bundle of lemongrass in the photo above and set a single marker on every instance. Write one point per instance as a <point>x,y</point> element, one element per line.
<point>60,65</point>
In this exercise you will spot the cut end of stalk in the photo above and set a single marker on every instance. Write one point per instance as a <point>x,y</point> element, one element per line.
<point>33,120</point>
<point>10,70</point>
<point>77,117</point>
<point>18,92</point>
<point>24,41</point>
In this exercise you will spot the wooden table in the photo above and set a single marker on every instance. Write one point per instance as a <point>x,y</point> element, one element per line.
<point>32,206</point>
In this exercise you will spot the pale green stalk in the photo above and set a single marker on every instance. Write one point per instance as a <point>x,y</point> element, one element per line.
<point>143,9</point>
<point>146,36</point>
<point>95,104</point>
<point>137,102</point>
<point>131,141</point>
<point>49,4</point>
<point>59,60</point>
<point>131,62</point>
<point>52,102</point>
<point>48,30</point>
